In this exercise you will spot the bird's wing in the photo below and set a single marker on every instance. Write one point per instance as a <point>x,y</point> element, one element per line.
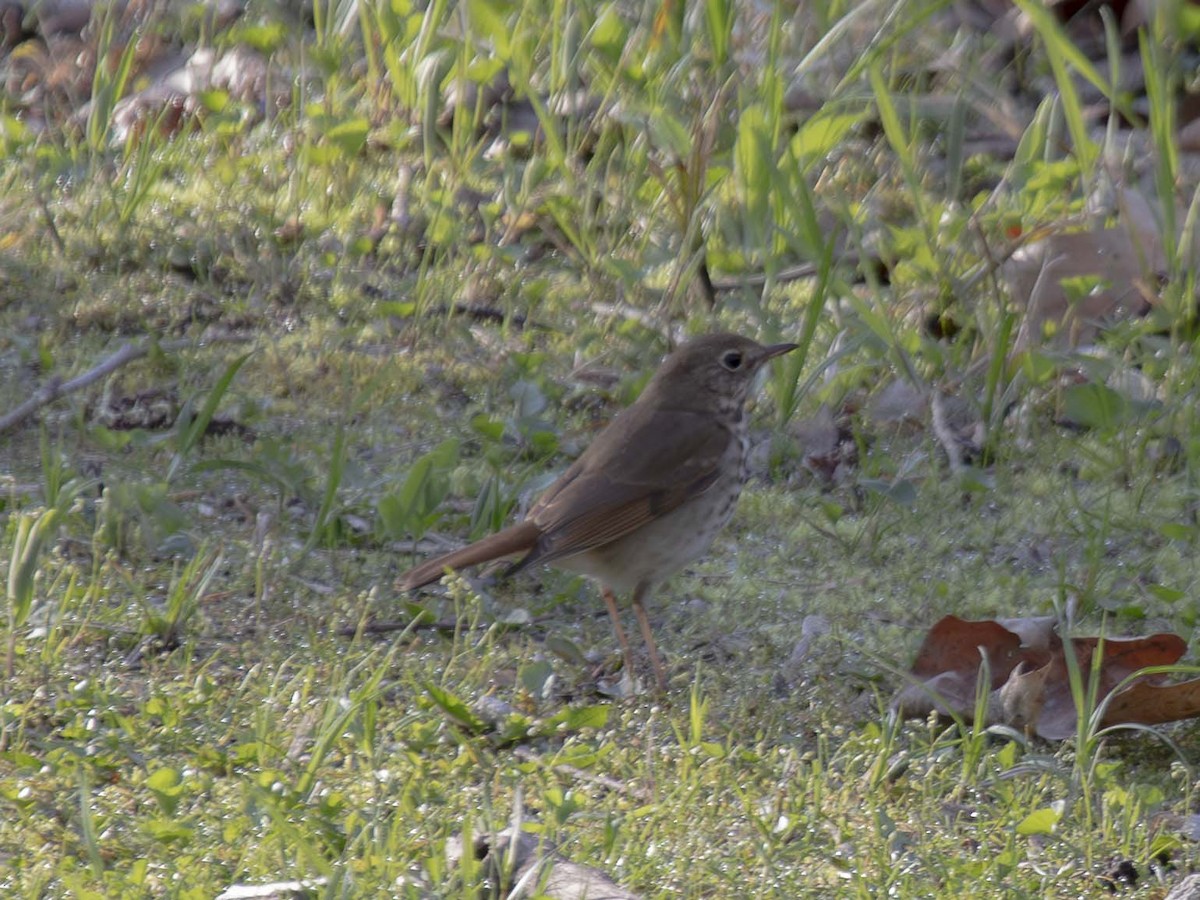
<point>629,476</point>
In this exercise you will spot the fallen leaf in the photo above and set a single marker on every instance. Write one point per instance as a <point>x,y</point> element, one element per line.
<point>1029,675</point>
<point>1073,284</point>
<point>1151,703</point>
<point>1019,701</point>
<point>956,645</point>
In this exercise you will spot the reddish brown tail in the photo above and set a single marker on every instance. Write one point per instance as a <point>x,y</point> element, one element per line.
<point>518,538</point>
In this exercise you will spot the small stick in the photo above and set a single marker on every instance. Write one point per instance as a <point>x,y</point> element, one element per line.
<point>388,627</point>
<point>54,388</point>
<point>448,627</point>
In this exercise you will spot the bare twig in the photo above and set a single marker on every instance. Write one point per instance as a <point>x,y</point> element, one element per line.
<point>399,625</point>
<point>442,626</point>
<point>54,388</point>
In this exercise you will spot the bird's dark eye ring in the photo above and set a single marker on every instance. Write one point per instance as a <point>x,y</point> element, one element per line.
<point>732,360</point>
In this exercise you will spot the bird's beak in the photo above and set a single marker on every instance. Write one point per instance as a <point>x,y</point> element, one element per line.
<point>776,350</point>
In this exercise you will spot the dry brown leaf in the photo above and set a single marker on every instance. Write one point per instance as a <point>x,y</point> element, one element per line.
<point>956,645</point>
<point>1035,632</point>
<point>1122,657</point>
<point>946,693</point>
<point>1151,703</point>
<point>1029,683</point>
<point>1122,259</point>
<point>1019,701</point>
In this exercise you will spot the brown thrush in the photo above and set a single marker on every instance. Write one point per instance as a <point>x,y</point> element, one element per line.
<point>652,490</point>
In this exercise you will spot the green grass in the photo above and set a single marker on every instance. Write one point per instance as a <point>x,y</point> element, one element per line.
<point>195,700</point>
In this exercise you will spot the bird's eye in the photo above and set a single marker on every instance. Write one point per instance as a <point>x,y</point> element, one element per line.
<point>732,360</point>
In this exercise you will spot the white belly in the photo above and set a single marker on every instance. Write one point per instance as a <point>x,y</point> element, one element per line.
<point>662,547</point>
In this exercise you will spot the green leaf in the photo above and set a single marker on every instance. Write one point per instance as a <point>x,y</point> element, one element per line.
<point>820,134</point>
<point>669,135</point>
<point>609,34</point>
<point>491,508</point>
<point>566,649</point>
<point>412,509</point>
<point>164,779</point>
<point>543,443</point>
<point>1094,405</point>
<point>13,133</point>
<point>32,533</point>
<point>349,136</point>
<point>393,516</point>
<point>214,100</point>
<point>489,22</point>
<point>713,750</point>
<point>1031,148</point>
<point>265,38</point>
<point>109,440</point>
<point>166,831</point>
<point>1178,531</point>
<point>484,69</point>
<point>831,510</point>
<point>400,308</point>
<point>890,119</point>
<point>455,709</point>
<point>21,759</point>
<point>418,612</point>
<point>1037,367</point>
<point>167,787</point>
<point>189,430</point>
<point>533,677</point>
<point>754,163</point>
<point>334,470</point>
<point>718,16</point>
<point>486,426</point>
<point>515,728</point>
<point>976,480</point>
<point>1041,821</point>
<point>577,717</point>
<point>1166,594</point>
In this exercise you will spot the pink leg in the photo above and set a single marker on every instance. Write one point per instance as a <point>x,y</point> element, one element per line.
<point>611,602</point>
<point>660,671</point>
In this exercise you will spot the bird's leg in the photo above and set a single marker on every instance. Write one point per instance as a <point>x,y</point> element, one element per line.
<point>660,671</point>
<point>610,601</point>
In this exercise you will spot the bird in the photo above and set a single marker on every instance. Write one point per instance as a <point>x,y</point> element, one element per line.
<point>651,491</point>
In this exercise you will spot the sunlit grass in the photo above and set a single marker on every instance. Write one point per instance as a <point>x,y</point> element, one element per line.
<point>412,319</point>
